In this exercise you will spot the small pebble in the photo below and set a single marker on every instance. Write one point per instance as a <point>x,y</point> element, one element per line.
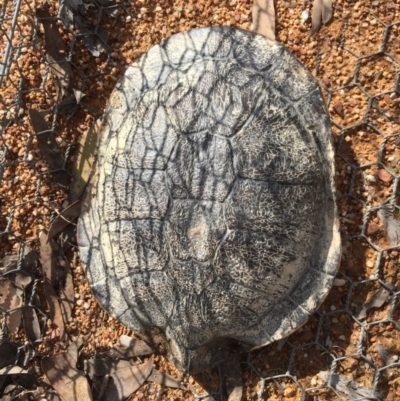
<point>384,176</point>
<point>339,282</point>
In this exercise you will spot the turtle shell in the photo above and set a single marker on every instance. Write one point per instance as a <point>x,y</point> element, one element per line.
<point>209,226</point>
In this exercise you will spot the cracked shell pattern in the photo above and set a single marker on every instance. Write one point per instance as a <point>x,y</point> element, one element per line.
<point>210,215</point>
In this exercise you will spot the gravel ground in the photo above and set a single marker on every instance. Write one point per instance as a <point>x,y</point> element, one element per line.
<point>363,94</point>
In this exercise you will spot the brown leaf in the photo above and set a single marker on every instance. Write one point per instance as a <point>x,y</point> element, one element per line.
<point>27,263</point>
<point>102,366</point>
<point>54,307</point>
<point>322,12</point>
<point>391,223</point>
<point>31,323</point>
<point>13,370</point>
<point>232,375</point>
<point>22,280</point>
<point>8,354</point>
<point>11,298</point>
<point>138,348</point>
<point>56,52</point>
<point>14,320</point>
<point>264,18</point>
<point>74,348</point>
<point>48,145</point>
<point>57,269</point>
<point>69,382</point>
<point>83,165</point>
<point>164,379</point>
<point>377,300</point>
<point>65,217</point>
<point>125,382</point>
<point>19,376</point>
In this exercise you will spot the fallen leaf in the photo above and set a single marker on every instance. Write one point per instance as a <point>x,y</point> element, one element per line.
<point>126,381</point>
<point>26,356</point>
<point>12,370</point>
<point>232,375</point>
<point>322,12</point>
<point>165,380</point>
<point>391,223</point>
<point>264,18</point>
<point>377,300</point>
<point>58,271</point>
<point>69,382</point>
<point>67,238</point>
<point>31,323</point>
<point>60,67</point>
<point>83,165</point>
<point>73,351</point>
<point>48,145</point>
<point>54,307</point>
<point>138,348</point>
<point>95,38</point>
<point>9,353</point>
<point>104,365</point>
<point>64,218</point>
<point>19,375</point>
<point>27,261</point>
<point>10,301</point>
<point>349,387</point>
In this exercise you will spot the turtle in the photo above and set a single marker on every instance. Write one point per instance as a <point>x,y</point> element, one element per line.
<point>209,226</point>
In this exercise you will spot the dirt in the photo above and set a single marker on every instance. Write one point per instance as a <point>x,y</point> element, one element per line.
<point>357,71</point>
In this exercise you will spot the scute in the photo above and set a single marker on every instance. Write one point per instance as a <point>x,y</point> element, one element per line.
<point>194,229</point>
<point>276,209</point>
<point>209,224</point>
<point>201,168</point>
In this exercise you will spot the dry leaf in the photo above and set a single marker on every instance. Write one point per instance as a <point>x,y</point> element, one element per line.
<point>322,13</point>
<point>391,223</point>
<point>11,298</point>
<point>349,387</point>
<point>31,323</point>
<point>94,37</point>
<point>58,271</point>
<point>125,382</point>
<point>48,145</point>
<point>54,307</point>
<point>264,18</point>
<point>8,354</point>
<point>164,379</point>
<point>65,217</point>
<point>83,165</point>
<point>232,375</point>
<point>56,52</point>
<point>12,370</point>
<point>138,348</point>
<point>19,375</point>
<point>377,300</point>
<point>69,382</point>
<point>103,366</point>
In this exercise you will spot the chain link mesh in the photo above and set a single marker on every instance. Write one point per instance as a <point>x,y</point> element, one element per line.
<point>356,332</point>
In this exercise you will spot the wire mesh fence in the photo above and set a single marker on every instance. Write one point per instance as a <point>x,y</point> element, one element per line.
<point>49,96</point>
